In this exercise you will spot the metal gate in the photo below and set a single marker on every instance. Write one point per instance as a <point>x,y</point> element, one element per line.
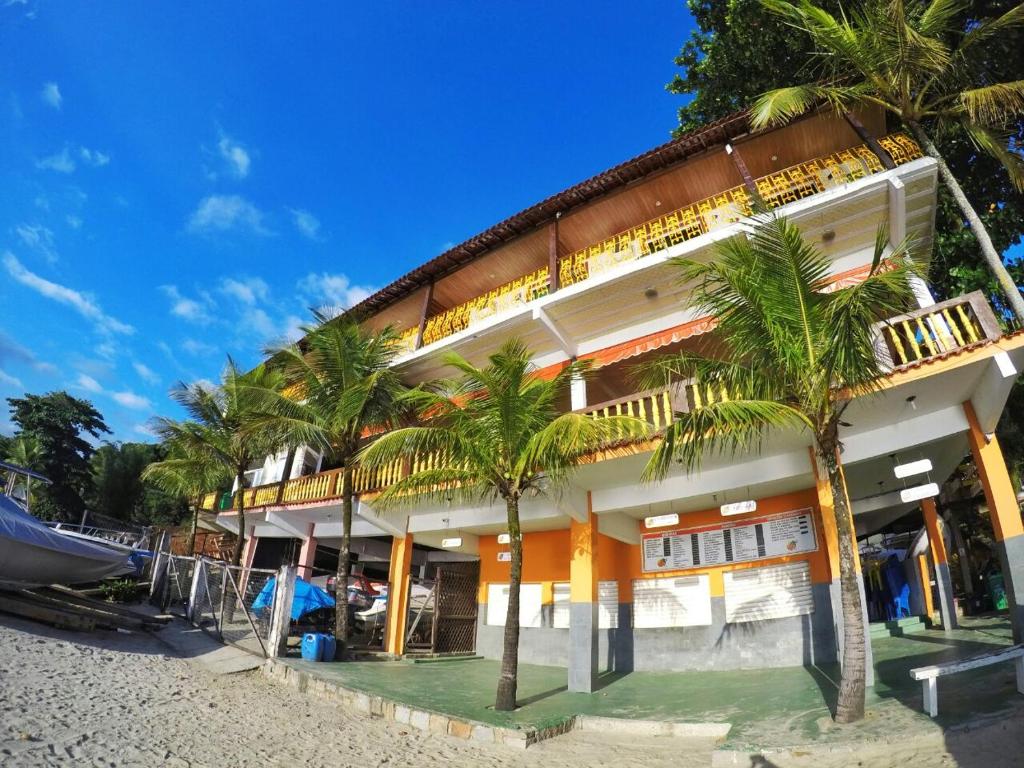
<point>442,613</point>
<point>232,604</point>
<point>179,584</point>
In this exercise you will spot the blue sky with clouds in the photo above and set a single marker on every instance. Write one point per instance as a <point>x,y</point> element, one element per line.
<point>182,181</point>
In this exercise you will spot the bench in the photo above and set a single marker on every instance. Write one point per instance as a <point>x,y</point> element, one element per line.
<point>929,675</point>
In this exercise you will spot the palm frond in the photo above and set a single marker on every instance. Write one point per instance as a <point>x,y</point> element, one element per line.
<point>995,104</point>
<point>996,143</point>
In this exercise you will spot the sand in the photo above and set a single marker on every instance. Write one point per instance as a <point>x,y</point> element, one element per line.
<point>114,699</point>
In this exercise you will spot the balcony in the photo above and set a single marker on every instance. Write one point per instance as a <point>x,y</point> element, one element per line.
<point>691,221</point>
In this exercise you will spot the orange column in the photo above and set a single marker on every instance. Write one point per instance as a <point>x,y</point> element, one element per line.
<point>583,640</point>
<point>398,594</point>
<point>926,585</point>
<point>1004,510</point>
<point>307,555</point>
<point>937,543</point>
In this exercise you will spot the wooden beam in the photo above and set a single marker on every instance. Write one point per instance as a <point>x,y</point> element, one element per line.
<point>553,254</point>
<point>428,296</point>
<point>870,140</point>
<point>748,180</point>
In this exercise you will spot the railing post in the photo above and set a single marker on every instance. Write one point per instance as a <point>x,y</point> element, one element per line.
<point>553,254</point>
<point>158,574</point>
<point>428,297</point>
<point>281,614</point>
<point>198,579</point>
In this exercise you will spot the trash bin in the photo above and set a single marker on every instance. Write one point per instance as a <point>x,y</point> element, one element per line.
<point>997,591</point>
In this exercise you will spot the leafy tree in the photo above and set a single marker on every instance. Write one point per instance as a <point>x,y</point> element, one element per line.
<point>789,354</point>
<point>222,433</point>
<point>22,451</point>
<point>121,490</point>
<point>60,425</point>
<point>496,434</point>
<point>181,477</point>
<point>920,62</point>
<point>342,385</point>
<point>741,49</point>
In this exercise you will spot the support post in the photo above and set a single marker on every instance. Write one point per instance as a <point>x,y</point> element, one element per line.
<point>158,574</point>
<point>281,615</point>
<point>748,179</point>
<point>307,555</point>
<point>870,140</point>
<point>583,614</point>
<point>924,573</point>
<point>1005,513</point>
<point>937,544</point>
<point>428,297</point>
<point>198,583</point>
<point>553,255</point>
<point>398,594</point>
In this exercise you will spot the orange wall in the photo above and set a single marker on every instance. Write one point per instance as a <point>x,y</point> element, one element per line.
<point>546,555</point>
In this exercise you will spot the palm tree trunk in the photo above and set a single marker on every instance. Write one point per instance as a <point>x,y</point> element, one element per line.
<point>193,527</point>
<point>850,704</point>
<point>236,557</point>
<point>988,251</point>
<point>344,564</point>
<point>508,679</point>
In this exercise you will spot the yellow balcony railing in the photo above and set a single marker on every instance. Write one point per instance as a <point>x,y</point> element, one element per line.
<point>936,330</point>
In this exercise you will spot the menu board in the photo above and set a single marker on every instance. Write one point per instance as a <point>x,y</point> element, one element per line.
<point>758,538</point>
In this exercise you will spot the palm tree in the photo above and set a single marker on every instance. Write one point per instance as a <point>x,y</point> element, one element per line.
<point>340,387</point>
<point>495,434</point>
<point>923,63</point>
<point>24,451</point>
<point>790,354</point>
<point>182,476</point>
<point>222,433</point>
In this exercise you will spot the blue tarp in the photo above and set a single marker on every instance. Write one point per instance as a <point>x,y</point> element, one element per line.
<point>307,598</point>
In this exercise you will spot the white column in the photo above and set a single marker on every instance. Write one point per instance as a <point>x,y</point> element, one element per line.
<point>280,617</point>
<point>578,393</point>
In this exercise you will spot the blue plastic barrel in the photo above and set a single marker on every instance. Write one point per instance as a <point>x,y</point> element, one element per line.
<point>330,646</point>
<point>313,647</point>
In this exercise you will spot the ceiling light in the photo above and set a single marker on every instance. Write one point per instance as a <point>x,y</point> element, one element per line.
<point>919,492</point>
<point>504,538</point>
<point>913,468</point>
<point>504,557</point>
<point>739,507</point>
<point>659,521</point>
<point>651,293</point>
<point>455,541</point>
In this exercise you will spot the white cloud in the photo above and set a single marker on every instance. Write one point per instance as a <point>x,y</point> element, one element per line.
<point>307,224</point>
<point>187,309</point>
<point>13,352</point>
<point>204,383</point>
<point>60,162</point>
<point>51,95</point>
<point>38,238</point>
<point>88,383</point>
<point>12,381</point>
<point>336,290</point>
<point>235,156</point>
<point>132,400</point>
<point>247,290</point>
<point>258,321</point>
<point>93,157</point>
<point>144,430</point>
<point>82,303</point>
<point>222,213</point>
<point>195,347</point>
<point>107,349</point>
<point>293,328</point>
<point>75,222</point>
<point>146,373</point>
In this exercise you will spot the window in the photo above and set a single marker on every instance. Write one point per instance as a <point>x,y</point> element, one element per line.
<point>774,592</point>
<point>683,601</point>
<point>607,605</point>
<point>529,605</point>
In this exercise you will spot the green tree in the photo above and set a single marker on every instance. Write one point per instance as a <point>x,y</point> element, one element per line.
<point>223,431</point>
<point>60,425</point>
<point>924,64</point>
<point>496,434</point>
<point>22,451</point>
<point>716,80</point>
<point>121,490</point>
<point>341,385</point>
<point>182,477</point>
<point>789,354</point>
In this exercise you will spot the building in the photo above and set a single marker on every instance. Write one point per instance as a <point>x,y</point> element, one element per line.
<point>623,575</point>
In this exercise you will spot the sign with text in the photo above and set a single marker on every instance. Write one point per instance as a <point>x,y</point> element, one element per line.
<point>760,538</point>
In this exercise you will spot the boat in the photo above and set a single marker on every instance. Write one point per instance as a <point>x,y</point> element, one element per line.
<point>33,554</point>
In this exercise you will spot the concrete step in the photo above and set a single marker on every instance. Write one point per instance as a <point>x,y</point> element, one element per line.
<point>897,628</point>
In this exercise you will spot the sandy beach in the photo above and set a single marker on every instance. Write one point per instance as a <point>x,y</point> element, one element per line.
<point>112,699</point>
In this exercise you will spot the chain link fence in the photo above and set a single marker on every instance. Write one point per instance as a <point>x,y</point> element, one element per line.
<point>179,584</point>
<point>234,604</point>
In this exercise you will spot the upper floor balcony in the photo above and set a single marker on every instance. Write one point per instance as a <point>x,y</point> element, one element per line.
<point>773,191</point>
<point>902,342</point>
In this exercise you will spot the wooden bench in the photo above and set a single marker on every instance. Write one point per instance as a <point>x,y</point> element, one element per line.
<point>929,675</point>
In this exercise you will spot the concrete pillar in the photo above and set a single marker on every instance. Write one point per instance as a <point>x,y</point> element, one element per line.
<point>830,533</point>
<point>398,594</point>
<point>249,550</point>
<point>280,618</point>
<point>577,393</point>
<point>583,622</point>
<point>937,544</point>
<point>924,572</point>
<point>307,554</point>
<point>1005,513</point>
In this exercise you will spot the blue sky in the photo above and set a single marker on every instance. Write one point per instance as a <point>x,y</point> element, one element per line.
<point>183,181</point>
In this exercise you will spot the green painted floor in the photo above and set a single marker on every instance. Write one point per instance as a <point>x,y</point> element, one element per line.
<point>764,706</point>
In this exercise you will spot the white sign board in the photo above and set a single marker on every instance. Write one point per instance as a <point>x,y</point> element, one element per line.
<point>760,538</point>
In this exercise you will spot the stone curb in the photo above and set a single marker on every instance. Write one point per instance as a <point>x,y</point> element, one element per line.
<point>421,719</point>
<point>716,731</point>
